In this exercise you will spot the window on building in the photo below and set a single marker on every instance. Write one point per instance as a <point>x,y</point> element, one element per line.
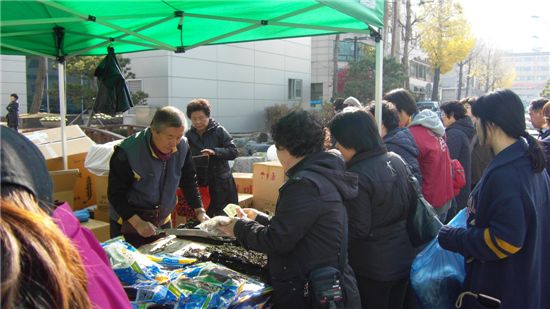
<point>316,91</point>
<point>135,85</point>
<point>294,89</point>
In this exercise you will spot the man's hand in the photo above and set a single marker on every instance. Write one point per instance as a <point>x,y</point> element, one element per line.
<point>209,152</point>
<point>144,228</point>
<point>226,225</point>
<point>201,215</point>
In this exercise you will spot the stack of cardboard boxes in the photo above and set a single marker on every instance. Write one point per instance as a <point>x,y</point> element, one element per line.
<point>75,185</point>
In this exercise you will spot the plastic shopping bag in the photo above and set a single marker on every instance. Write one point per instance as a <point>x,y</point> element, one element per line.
<point>437,274</point>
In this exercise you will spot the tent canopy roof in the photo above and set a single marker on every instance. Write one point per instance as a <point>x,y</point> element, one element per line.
<point>87,27</point>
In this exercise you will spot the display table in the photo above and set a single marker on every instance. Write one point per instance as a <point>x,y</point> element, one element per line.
<point>190,272</point>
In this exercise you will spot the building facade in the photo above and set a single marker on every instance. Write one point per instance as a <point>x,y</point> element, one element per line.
<point>239,80</point>
<point>532,72</point>
<point>14,80</point>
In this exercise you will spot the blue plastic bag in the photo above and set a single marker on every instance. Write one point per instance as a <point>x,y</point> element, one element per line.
<point>437,275</point>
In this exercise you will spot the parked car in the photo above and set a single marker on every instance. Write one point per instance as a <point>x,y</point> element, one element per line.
<point>431,105</point>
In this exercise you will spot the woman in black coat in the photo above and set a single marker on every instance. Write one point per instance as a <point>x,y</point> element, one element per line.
<point>460,131</point>
<point>380,251</point>
<point>209,139</point>
<point>307,230</point>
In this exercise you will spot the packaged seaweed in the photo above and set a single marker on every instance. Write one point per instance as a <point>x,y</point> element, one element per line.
<point>130,265</point>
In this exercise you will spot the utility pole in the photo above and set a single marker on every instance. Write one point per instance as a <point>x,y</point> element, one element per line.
<point>395,30</point>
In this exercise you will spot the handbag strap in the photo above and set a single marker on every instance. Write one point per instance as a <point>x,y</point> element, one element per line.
<point>412,179</point>
<point>344,246</point>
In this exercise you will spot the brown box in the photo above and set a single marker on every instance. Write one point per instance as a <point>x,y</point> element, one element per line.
<point>102,201</point>
<point>77,147</point>
<point>267,179</point>
<point>63,185</point>
<point>243,182</point>
<point>54,135</point>
<point>245,200</point>
<point>100,229</point>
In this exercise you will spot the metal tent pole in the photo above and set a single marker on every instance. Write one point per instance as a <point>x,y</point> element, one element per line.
<point>62,111</point>
<point>378,82</point>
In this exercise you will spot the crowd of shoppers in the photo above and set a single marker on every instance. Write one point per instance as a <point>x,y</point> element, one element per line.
<point>342,213</point>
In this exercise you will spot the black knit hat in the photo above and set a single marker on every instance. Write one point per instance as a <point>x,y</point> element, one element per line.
<point>24,165</point>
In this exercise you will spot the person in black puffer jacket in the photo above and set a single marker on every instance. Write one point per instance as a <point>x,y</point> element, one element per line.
<point>460,131</point>
<point>207,137</point>
<point>380,250</point>
<point>308,227</point>
<point>396,139</point>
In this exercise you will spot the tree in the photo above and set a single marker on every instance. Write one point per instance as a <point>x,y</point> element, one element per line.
<point>445,37</point>
<point>360,77</point>
<point>395,32</point>
<point>409,39</point>
<point>545,93</point>
<point>491,71</point>
<point>39,84</point>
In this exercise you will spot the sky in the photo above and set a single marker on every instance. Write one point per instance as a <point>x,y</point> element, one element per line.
<point>510,25</point>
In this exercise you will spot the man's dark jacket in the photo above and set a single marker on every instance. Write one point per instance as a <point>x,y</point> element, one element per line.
<point>217,174</point>
<point>307,229</point>
<point>401,141</point>
<point>380,248</point>
<point>459,140</point>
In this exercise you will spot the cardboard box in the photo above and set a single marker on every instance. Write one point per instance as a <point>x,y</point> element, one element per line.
<point>54,135</point>
<point>100,229</point>
<point>63,185</point>
<point>267,179</point>
<point>245,200</point>
<point>102,201</point>
<point>76,155</point>
<point>77,146</point>
<point>243,182</point>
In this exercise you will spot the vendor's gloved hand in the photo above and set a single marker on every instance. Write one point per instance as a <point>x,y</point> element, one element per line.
<point>249,213</point>
<point>144,228</point>
<point>226,225</point>
<point>201,215</point>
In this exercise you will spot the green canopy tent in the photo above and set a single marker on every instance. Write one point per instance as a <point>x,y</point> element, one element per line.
<point>61,29</point>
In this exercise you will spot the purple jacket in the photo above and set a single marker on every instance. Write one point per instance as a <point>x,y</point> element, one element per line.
<point>104,288</point>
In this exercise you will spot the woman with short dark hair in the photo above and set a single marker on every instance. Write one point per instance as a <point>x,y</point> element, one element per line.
<point>460,131</point>
<point>307,230</point>
<point>380,249</point>
<point>208,138</point>
<point>506,242</point>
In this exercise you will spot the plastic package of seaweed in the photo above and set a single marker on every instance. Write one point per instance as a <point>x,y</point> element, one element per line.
<point>130,265</point>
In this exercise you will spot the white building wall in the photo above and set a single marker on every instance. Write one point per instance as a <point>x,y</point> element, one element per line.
<point>239,80</point>
<point>13,80</point>
<point>322,60</point>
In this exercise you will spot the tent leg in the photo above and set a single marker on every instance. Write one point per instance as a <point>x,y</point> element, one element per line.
<point>62,111</point>
<point>378,84</point>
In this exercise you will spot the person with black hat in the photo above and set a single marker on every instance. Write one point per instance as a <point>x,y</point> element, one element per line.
<point>46,242</point>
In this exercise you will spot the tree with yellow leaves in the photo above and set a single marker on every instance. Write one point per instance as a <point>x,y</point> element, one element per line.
<point>445,37</point>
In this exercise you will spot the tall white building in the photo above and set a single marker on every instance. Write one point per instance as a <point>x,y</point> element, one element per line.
<point>239,80</point>
<point>532,72</point>
<point>13,80</point>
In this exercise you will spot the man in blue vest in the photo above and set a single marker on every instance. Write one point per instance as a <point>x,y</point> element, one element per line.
<point>145,172</point>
